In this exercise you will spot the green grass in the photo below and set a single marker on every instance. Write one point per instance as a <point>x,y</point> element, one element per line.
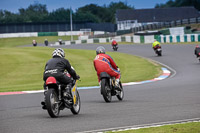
<point>193,127</point>
<point>12,42</point>
<point>22,68</point>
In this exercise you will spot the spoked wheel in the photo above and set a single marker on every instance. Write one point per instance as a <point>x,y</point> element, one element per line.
<point>106,91</point>
<point>77,105</point>
<point>52,103</point>
<point>120,94</point>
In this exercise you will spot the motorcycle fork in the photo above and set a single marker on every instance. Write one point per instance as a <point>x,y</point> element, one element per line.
<point>112,82</point>
<point>59,92</point>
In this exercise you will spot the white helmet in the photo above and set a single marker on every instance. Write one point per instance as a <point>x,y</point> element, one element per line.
<point>100,50</point>
<point>58,52</point>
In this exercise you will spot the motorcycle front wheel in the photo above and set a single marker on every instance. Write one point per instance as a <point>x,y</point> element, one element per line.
<point>105,90</point>
<point>77,106</point>
<point>120,95</point>
<point>52,103</point>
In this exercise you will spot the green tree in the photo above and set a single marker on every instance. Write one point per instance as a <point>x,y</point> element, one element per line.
<point>8,17</point>
<point>105,13</point>
<point>93,10</point>
<point>34,13</point>
<point>59,15</point>
<point>89,13</point>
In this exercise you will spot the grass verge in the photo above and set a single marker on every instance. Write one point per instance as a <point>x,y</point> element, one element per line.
<point>12,42</point>
<point>192,127</point>
<point>22,68</point>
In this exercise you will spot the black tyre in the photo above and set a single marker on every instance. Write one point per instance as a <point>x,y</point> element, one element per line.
<point>52,103</point>
<point>77,106</point>
<point>105,90</point>
<point>159,52</point>
<point>120,95</point>
<point>115,48</point>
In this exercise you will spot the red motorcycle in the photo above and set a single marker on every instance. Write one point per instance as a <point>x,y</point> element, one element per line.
<point>55,100</point>
<point>114,45</point>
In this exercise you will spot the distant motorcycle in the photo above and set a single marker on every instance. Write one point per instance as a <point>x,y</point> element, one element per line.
<point>158,50</point>
<point>197,52</point>
<point>198,57</point>
<point>108,88</point>
<point>114,45</point>
<point>55,101</point>
<point>34,43</point>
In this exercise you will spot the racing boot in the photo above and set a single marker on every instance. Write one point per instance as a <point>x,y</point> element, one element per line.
<point>43,102</point>
<point>67,94</point>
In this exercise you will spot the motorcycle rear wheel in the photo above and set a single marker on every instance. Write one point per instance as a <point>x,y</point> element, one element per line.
<point>159,53</point>
<point>76,107</point>
<point>106,90</point>
<point>52,103</point>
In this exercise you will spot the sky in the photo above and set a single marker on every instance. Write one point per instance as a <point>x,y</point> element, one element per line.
<point>14,5</point>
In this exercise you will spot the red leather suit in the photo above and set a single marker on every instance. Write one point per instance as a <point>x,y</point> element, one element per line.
<point>104,63</point>
<point>114,42</point>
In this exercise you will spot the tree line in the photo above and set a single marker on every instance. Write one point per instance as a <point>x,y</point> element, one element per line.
<point>89,13</point>
<point>39,13</point>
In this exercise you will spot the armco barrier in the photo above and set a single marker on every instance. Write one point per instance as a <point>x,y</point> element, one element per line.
<point>180,38</point>
<point>142,39</point>
<point>134,38</point>
<point>28,34</point>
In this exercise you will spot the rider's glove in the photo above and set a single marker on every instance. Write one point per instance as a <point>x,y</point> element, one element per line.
<point>118,69</point>
<point>77,77</point>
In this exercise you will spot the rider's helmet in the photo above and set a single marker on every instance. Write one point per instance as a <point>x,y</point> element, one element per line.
<point>58,52</point>
<point>100,50</point>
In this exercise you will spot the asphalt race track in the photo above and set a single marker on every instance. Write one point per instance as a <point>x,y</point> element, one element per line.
<point>172,99</point>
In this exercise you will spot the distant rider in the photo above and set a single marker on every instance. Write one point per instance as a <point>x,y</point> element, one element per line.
<point>46,42</point>
<point>197,51</point>
<point>114,43</point>
<point>57,67</point>
<point>34,43</point>
<point>104,63</point>
<point>156,45</point>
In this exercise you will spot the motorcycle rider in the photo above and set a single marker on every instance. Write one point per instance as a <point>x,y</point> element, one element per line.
<point>156,45</point>
<point>104,63</point>
<point>46,42</point>
<point>114,42</point>
<point>34,43</point>
<point>57,67</point>
<point>197,50</point>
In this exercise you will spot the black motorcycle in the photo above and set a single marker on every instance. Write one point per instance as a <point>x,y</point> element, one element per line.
<point>55,100</point>
<point>108,88</point>
<point>115,47</point>
<point>198,56</point>
<point>158,50</point>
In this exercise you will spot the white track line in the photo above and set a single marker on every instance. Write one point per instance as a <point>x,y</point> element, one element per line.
<point>134,127</point>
